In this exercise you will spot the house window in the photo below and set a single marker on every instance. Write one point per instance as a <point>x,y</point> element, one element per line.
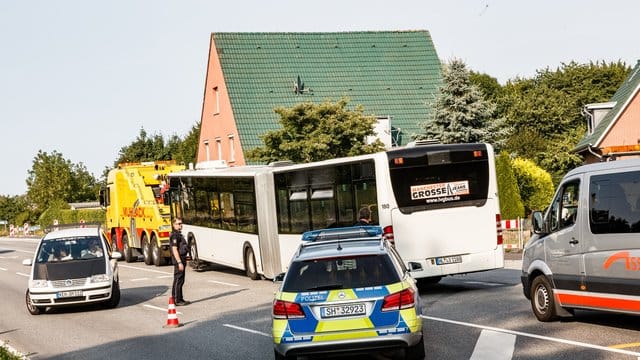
<point>232,148</point>
<point>206,149</point>
<point>219,148</point>
<point>217,93</point>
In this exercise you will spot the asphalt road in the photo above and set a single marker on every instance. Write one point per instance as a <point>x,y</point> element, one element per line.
<point>474,316</point>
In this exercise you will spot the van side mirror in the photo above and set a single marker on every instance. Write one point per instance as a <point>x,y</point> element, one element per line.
<point>538,222</point>
<point>279,278</point>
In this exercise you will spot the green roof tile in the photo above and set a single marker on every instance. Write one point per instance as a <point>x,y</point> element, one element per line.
<point>394,73</point>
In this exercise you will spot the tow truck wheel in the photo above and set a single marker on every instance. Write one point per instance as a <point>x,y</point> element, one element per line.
<point>33,310</point>
<point>146,250</point>
<point>128,252</point>
<point>542,301</point>
<point>158,259</point>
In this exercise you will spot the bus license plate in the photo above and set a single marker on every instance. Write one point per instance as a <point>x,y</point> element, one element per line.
<point>66,294</point>
<point>449,260</point>
<point>343,310</point>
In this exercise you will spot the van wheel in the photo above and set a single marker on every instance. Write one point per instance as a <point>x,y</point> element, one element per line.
<point>542,301</point>
<point>33,310</point>
<point>193,249</point>
<point>158,259</point>
<point>128,252</point>
<point>250,264</point>
<point>146,250</point>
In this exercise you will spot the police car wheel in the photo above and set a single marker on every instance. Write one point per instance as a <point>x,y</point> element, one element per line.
<point>416,352</point>
<point>542,302</point>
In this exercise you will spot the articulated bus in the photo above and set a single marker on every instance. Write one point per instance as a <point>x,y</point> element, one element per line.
<point>437,203</point>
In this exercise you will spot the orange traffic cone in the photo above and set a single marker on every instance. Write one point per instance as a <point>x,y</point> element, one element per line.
<point>172,317</point>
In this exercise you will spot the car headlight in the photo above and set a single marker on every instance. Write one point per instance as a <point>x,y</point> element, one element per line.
<point>38,283</point>
<point>100,278</point>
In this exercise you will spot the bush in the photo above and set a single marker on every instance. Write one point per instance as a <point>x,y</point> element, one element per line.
<point>535,184</point>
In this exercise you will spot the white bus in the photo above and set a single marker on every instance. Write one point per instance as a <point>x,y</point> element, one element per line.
<point>438,203</point>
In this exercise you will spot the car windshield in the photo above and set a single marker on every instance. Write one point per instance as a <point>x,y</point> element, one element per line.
<point>68,249</point>
<point>340,273</point>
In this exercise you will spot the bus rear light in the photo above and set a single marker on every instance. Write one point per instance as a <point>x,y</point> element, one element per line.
<point>398,161</point>
<point>387,232</point>
<point>499,228</point>
<point>287,310</point>
<point>398,301</point>
<point>477,153</point>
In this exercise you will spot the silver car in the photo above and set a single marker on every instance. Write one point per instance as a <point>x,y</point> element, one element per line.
<point>73,266</point>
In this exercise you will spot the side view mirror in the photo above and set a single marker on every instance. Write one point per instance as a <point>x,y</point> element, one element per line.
<point>116,255</point>
<point>26,262</point>
<point>279,278</point>
<point>538,222</point>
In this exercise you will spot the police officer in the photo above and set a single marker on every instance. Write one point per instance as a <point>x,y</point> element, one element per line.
<point>179,250</point>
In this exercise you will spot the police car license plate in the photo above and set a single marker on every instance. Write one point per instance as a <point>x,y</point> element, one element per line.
<point>449,260</point>
<point>343,310</point>
<point>72,293</point>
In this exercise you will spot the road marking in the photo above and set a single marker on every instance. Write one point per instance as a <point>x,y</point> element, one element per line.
<point>494,345</point>
<point>159,308</point>
<point>247,330</point>
<point>222,283</point>
<point>483,283</point>
<point>139,279</point>
<point>622,346</point>
<point>23,274</point>
<point>143,269</point>
<point>164,276</point>
<point>3,269</point>
<point>540,337</point>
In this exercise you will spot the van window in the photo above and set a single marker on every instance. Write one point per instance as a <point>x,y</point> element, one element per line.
<point>564,207</point>
<point>614,203</point>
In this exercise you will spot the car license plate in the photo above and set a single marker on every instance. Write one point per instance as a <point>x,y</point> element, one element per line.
<point>449,260</point>
<point>72,293</point>
<point>343,310</point>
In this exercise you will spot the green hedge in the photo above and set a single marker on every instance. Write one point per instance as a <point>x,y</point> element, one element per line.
<point>67,216</point>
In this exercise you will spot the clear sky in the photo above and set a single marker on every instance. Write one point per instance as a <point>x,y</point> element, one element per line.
<point>83,77</point>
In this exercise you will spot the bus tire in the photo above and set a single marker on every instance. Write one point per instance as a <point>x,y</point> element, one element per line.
<point>250,264</point>
<point>126,249</point>
<point>146,250</point>
<point>156,251</point>
<point>542,301</point>
<point>193,249</point>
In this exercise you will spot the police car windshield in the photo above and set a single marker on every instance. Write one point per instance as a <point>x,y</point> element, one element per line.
<point>340,273</point>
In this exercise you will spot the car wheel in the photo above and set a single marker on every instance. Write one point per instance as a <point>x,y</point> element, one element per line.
<point>115,296</point>
<point>128,252</point>
<point>146,250</point>
<point>415,352</point>
<point>33,310</point>
<point>542,301</point>
<point>193,249</point>
<point>158,259</point>
<point>250,264</point>
<point>279,356</point>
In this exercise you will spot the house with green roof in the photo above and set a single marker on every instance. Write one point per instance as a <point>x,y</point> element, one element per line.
<point>394,75</point>
<point>613,128</point>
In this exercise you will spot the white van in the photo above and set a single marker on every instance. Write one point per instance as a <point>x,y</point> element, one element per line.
<point>585,253</point>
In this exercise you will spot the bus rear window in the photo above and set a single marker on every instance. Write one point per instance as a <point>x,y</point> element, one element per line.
<point>439,178</point>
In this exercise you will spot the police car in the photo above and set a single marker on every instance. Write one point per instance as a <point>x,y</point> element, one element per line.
<point>346,290</point>
<point>72,266</point>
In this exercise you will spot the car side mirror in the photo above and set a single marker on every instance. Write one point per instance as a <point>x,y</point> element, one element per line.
<point>279,278</point>
<point>27,262</point>
<point>116,255</point>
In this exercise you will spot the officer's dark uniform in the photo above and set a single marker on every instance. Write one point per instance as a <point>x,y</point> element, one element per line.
<point>180,242</point>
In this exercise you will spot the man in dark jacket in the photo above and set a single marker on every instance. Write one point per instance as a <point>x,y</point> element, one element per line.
<point>179,251</point>
<point>364,217</point>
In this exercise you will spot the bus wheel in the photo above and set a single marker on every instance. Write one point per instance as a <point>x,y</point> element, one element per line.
<point>542,301</point>
<point>158,259</point>
<point>146,250</point>
<point>250,264</point>
<point>128,252</point>
<point>193,249</point>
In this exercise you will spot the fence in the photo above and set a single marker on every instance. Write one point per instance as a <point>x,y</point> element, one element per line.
<point>516,233</point>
